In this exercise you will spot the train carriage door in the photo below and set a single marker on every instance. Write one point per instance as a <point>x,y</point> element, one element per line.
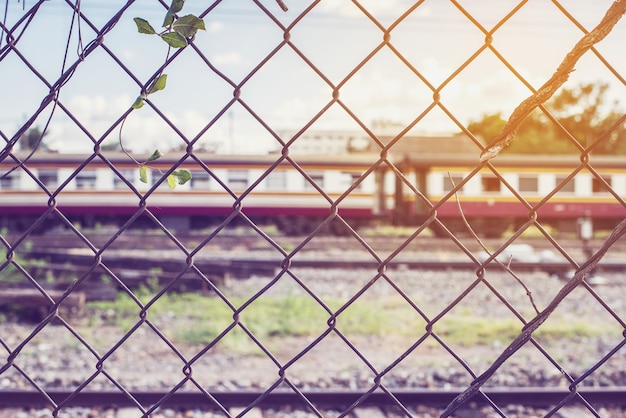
<point>399,208</point>
<point>380,197</point>
<point>404,197</point>
<point>420,208</point>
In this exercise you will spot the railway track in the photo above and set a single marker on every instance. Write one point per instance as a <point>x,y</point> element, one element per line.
<point>233,260</point>
<point>355,402</point>
<point>137,271</point>
<point>63,251</point>
<point>230,240</point>
<point>165,265</point>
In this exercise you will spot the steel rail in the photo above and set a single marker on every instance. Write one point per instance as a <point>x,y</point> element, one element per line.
<point>257,264</point>
<point>529,396</point>
<point>229,239</point>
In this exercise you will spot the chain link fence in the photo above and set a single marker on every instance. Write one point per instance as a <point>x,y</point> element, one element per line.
<point>441,329</point>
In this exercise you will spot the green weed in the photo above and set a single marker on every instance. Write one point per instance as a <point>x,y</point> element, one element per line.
<point>199,319</point>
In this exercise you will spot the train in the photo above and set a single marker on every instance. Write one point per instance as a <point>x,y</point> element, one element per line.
<point>297,194</point>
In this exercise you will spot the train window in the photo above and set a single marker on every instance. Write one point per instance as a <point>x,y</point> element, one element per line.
<point>238,179</point>
<point>568,187</point>
<point>86,179</point>
<point>200,180</point>
<point>351,178</point>
<point>490,183</point>
<point>450,181</point>
<point>355,178</point>
<point>598,186</point>
<point>118,183</point>
<point>528,183</point>
<point>276,180</point>
<point>318,178</point>
<point>10,181</point>
<point>49,178</point>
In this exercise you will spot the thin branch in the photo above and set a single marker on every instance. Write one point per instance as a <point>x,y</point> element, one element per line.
<point>560,76</point>
<point>124,150</point>
<point>524,336</point>
<point>506,266</point>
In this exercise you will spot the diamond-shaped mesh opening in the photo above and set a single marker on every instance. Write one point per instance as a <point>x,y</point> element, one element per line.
<point>371,208</point>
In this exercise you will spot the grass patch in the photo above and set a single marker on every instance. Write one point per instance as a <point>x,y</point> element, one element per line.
<point>473,330</point>
<point>10,274</point>
<point>196,319</point>
<point>392,231</point>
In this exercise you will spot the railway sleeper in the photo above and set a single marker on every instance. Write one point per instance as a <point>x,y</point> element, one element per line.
<point>30,304</point>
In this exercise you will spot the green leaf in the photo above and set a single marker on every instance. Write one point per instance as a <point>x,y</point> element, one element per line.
<point>181,176</point>
<point>171,181</point>
<point>169,19</point>
<point>139,102</point>
<point>178,177</point>
<point>174,39</point>
<point>157,84</point>
<point>143,26</point>
<point>155,156</point>
<point>175,7</point>
<point>143,174</point>
<point>188,25</point>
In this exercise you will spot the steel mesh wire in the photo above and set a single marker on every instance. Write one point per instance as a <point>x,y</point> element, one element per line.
<point>90,32</point>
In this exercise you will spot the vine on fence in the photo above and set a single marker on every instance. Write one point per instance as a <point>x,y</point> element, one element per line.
<point>177,32</point>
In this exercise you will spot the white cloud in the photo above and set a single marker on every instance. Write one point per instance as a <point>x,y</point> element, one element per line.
<point>230,58</point>
<point>423,11</point>
<point>128,55</point>
<point>434,72</point>
<point>376,92</point>
<point>98,107</point>
<point>215,26</point>
<point>500,92</point>
<point>373,94</point>
<point>375,7</point>
<point>143,130</point>
<point>380,92</point>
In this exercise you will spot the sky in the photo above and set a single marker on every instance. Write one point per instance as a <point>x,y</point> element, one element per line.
<point>286,93</point>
